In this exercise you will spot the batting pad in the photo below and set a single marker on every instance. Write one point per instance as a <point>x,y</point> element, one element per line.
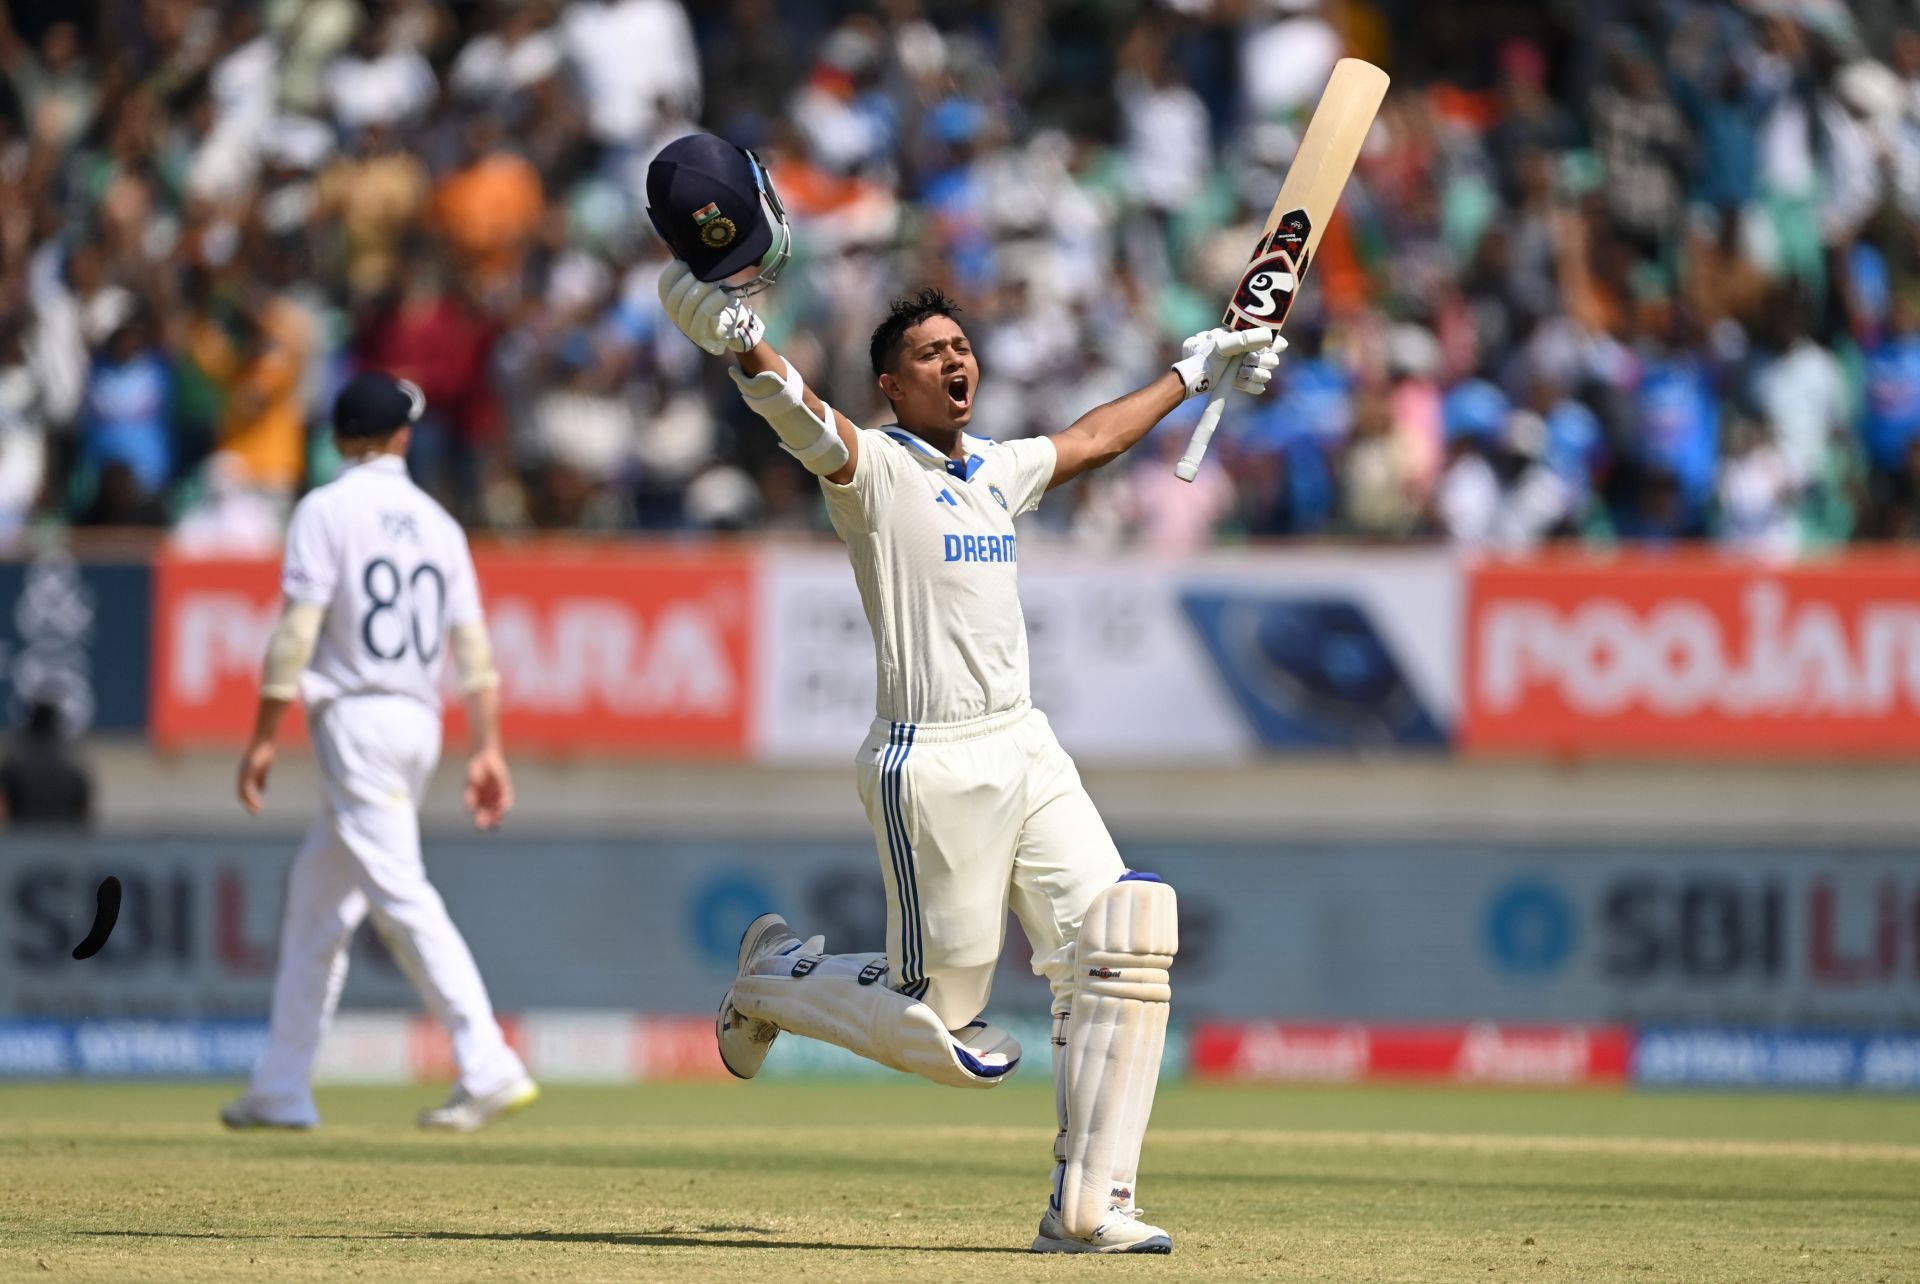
<point>1115,1032</point>
<point>881,1025</point>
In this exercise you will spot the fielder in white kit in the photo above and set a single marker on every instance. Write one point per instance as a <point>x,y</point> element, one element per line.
<point>379,586</point>
<point>974,805</point>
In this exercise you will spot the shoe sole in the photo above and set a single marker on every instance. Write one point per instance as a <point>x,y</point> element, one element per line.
<point>264,1125</point>
<point>1159,1245</point>
<point>748,939</point>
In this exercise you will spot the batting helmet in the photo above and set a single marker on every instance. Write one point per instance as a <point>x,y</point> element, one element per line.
<point>716,209</point>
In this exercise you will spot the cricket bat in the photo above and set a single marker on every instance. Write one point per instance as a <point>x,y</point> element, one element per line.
<point>1287,243</point>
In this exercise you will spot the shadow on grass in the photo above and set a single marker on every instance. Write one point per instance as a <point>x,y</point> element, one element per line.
<point>620,1239</point>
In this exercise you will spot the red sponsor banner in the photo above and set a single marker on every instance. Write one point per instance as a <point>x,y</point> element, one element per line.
<point>1267,1052</point>
<point>430,1048</point>
<point>667,1047</point>
<point>1694,655</point>
<point>638,649</point>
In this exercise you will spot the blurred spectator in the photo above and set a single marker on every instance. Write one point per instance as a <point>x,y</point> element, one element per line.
<point>234,517</point>
<point>378,193</point>
<point>264,426</point>
<point>518,51</point>
<point>1380,482</point>
<point>124,416</point>
<point>1286,59</point>
<point>1499,492</point>
<point>1168,136</point>
<point>1892,421</point>
<point>23,435</point>
<point>632,56</point>
<point>41,782</point>
<point>490,208</point>
<point>1757,492</point>
<point>54,87</point>
<point>1799,389</point>
<point>381,79</point>
<point>1643,148</point>
<point>437,338</point>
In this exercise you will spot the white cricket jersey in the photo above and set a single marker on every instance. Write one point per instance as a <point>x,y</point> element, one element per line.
<point>934,553</point>
<point>394,572</point>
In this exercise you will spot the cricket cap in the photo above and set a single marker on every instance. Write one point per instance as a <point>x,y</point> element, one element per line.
<point>375,403</point>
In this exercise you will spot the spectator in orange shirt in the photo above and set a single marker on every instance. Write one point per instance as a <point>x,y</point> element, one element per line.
<point>263,425</point>
<point>490,208</point>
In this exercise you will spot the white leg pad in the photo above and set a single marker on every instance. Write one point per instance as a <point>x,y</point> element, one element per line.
<point>1115,1033</point>
<point>881,1024</point>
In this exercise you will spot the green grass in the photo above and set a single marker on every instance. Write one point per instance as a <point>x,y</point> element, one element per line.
<point>897,1180</point>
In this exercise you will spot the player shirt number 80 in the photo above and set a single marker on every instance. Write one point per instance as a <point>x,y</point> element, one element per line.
<point>395,575</point>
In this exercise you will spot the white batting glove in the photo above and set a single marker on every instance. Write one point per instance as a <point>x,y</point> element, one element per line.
<point>1209,353</point>
<point>717,321</point>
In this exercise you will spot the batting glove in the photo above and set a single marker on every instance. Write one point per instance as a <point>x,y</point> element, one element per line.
<point>1209,353</point>
<point>719,322</point>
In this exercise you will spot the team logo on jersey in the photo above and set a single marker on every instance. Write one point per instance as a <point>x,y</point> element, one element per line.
<point>716,229</point>
<point>999,496</point>
<point>1266,288</point>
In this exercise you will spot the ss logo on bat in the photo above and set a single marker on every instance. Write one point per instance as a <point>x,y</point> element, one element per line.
<point>1266,288</point>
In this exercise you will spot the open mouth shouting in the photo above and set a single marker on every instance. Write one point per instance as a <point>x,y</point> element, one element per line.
<point>959,395</point>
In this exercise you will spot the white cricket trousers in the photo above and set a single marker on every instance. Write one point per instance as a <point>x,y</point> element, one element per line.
<point>376,754</point>
<point>969,819</point>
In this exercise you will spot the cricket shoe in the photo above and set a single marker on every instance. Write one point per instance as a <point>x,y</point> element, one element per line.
<point>246,1113</point>
<point>1121,1232</point>
<point>465,1112</point>
<point>745,1041</point>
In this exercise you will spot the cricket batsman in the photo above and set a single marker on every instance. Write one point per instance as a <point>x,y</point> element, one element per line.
<point>974,805</point>
<point>379,587</point>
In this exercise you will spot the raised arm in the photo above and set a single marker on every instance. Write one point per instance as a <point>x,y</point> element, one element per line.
<point>761,359</point>
<point>820,437</point>
<point>1106,432</point>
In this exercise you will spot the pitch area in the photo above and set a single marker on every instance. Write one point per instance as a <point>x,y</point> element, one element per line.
<point>877,1180</point>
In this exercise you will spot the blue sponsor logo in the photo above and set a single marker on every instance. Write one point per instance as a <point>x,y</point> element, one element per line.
<point>220,1049</point>
<point>1311,672</point>
<point>1530,928</point>
<point>980,548</point>
<point>946,497</point>
<point>720,908</point>
<point>1718,1057</point>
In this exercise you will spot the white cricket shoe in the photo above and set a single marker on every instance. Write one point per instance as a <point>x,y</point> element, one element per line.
<point>1122,1232</point>
<point>465,1112</point>
<point>246,1113</point>
<point>745,1041</point>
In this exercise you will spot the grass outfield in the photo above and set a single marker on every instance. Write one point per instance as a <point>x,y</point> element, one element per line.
<point>897,1180</point>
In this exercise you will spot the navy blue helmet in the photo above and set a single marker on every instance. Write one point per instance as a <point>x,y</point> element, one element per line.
<point>716,209</point>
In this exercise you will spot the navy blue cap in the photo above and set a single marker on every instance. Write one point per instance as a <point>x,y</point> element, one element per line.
<point>375,403</point>
<point>703,195</point>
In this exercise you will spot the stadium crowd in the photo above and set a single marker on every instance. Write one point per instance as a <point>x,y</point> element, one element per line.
<point>1608,271</point>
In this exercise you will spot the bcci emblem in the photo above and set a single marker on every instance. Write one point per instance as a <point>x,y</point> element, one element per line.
<point>716,229</point>
<point>999,496</point>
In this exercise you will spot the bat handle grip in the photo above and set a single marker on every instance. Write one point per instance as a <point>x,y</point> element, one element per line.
<point>1189,465</point>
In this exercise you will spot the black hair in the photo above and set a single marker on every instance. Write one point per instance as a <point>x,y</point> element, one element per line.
<point>902,316</point>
